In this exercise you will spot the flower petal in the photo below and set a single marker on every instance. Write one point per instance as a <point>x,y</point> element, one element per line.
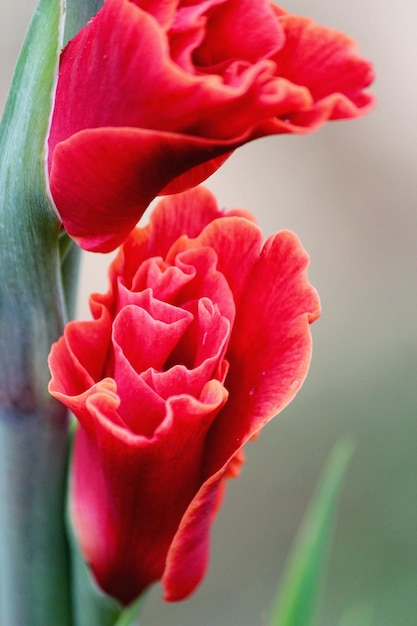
<point>159,434</point>
<point>270,355</point>
<point>77,358</point>
<point>188,554</point>
<point>102,180</point>
<point>146,338</point>
<point>240,29</point>
<point>120,480</point>
<point>328,63</point>
<point>270,346</point>
<point>131,123</point>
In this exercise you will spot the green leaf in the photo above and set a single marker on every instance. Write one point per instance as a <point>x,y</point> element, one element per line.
<point>300,587</point>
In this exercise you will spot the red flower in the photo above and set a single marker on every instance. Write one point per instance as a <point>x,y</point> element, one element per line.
<point>201,339</point>
<point>154,95</point>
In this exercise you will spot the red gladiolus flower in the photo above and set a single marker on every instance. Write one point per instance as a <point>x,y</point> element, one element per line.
<point>153,96</point>
<point>202,337</point>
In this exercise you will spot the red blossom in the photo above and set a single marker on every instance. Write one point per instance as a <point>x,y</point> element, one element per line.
<point>154,95</point>
<point>202,337</point>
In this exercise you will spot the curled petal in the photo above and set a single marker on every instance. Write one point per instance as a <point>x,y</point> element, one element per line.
<point>269,352</point>
<point>328,63</point>
<point>147,338</point>
<point>240,29</point>
<point>77,358</point>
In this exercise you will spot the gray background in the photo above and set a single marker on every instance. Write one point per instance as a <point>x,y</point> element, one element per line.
<point>349,191</point>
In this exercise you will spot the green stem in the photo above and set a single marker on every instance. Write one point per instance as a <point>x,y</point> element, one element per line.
<point>33,551</point>
<point>34,568</point>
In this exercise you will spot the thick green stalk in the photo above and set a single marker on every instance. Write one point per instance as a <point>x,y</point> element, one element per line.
<point>34,579</point>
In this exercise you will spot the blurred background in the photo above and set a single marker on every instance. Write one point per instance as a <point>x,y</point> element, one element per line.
<point>349,191</point>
